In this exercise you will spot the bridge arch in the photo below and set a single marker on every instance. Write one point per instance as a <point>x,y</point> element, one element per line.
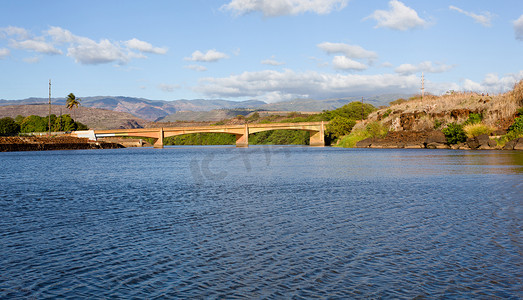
<point>316,130</point>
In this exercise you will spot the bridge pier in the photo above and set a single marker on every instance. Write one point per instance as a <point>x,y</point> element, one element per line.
<point>317,138</point>
<point>159,141</point>
<point>242,140</point>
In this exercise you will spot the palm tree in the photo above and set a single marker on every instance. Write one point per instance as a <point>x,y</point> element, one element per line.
<point>72,102</point>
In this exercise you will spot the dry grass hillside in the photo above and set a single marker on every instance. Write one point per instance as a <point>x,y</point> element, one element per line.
<point>432,112</point>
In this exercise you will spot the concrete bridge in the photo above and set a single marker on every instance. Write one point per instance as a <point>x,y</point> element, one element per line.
<point>316,130</point>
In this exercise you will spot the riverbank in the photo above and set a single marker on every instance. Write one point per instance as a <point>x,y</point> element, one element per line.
<point>42,143</point>
<point>436,140</point>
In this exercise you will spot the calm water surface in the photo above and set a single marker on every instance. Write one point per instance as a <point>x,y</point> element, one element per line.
<point>262,222</point>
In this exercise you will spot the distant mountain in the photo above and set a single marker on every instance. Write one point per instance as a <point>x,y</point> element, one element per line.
<point>204,116</point>
<point>153,110</point>
<point>329,104</point>
<point>150,110</point>
<point>94,118</point>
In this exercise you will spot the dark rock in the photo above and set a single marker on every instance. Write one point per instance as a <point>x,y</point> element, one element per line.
<point>492,143</point>
<point>519,144</point>
<point>364,143</point>
<point>483,138</point>
<point>436,137</point>
<point>460,146</point>
<point>510,145</point>
<point>499,132</point>
<point>437,146</point>
<point>414,145</point>
<point>473,143</point>
<point>483,141</point>
<point>407,120</point>
<point>460,113</point>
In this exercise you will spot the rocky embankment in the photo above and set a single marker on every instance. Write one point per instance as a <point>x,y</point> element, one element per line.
<point>37,143</point>
<point>435,140</point>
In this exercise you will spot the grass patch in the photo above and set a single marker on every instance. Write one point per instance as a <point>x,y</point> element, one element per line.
<point>372,130</point>
<point>476,129</point>
<point>349,141</point>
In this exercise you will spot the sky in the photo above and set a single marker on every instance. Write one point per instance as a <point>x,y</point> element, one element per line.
<point>269,50</point>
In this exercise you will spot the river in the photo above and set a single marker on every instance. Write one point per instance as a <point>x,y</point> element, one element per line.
<point>263,222</point>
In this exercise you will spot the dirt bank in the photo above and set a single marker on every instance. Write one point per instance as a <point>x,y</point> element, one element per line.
<point>435,140</point>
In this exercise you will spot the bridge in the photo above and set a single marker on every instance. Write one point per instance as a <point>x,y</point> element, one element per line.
<point>316,130</point>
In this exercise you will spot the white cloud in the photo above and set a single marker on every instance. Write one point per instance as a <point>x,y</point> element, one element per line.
<point>4,52</point>
<point>168,87</point>
<point>493,84</point>
<point>19,32</point>
<point>272,85</point>
<point>84,50</point>
<point>35,45</point>
<point>352,51</point>
<point>196,68</point>
<point>273,8</point>
<point>484,19</point>
<point>144,47</point>
<point>61,36</point>
<point>518,28</point>
<point>399,17</point>
<point>89,52</point>
<point>210,56</point>
<point>345,63</point>
<point>426,66</point>
<point>33,60</point>
<point>272,62</point>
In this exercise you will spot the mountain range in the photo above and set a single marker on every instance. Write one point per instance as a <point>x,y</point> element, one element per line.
<point>157,110</point>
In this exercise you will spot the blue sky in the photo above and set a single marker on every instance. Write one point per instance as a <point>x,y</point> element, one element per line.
<point>270,50</point>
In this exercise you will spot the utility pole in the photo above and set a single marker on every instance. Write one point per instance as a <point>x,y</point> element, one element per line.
<point>422,85</point>
<point>49,107</point>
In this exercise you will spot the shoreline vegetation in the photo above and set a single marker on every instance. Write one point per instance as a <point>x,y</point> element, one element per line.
<point>455,120</point>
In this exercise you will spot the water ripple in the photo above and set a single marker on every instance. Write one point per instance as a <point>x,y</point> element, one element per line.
<point>305,223</point>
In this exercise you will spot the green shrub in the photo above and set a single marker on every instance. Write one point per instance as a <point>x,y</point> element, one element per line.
<point>474,119</point>
<point>387,113</point>
<point>8,126</point>
<point>454,133</point>
<point>437,124</point>
<point>514,131</point>
<point>517,126</point>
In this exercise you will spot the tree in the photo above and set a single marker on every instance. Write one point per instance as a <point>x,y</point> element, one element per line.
<point>19,119</point>
<point>72,102</point>
<point>354,110</point>
<point>340,126</point>
<point>34,124</point>
<point>64,123</point>
<point>8,126</point>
